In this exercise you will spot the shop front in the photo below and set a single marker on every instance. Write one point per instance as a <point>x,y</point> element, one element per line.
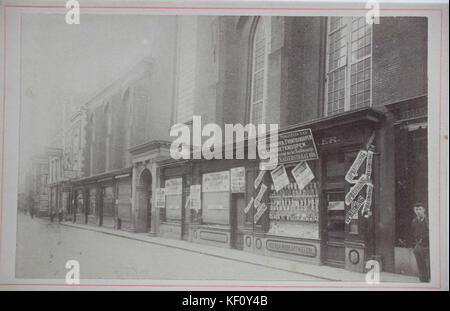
<point>411,175</point>
<point>217,201</point>
<point>103,200</point>
<point>305,208</point>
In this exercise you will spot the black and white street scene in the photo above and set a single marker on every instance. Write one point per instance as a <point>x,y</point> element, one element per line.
<point>222,147</point>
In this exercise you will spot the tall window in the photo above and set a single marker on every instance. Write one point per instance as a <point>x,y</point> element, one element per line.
<point>259,61</point>
<point>349,64</point>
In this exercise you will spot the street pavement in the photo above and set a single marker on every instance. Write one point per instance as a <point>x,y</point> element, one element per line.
<point>43,248</point>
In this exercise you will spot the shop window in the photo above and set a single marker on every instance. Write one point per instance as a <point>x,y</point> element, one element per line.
<point>258,73</point>
<point>293,211</point>
<point>174,198</point>
<point>216,198</point>
<point>349,64</point>
<point>92,210</point>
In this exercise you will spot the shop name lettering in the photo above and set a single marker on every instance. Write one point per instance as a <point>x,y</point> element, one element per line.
<point>211,148</point>
<point>230,301</point>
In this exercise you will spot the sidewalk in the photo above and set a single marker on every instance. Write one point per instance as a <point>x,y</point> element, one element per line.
<point>322,272</point>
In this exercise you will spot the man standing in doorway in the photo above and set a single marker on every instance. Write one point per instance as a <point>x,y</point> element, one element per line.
<point>421,242</point>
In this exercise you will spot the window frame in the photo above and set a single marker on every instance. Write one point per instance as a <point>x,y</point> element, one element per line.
<point>257,22</point>
<point>348,22</point>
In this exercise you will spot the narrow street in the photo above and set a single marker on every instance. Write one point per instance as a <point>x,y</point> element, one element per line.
<point>44,248</point>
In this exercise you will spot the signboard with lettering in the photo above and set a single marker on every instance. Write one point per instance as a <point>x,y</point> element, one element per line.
<point>237,180</point>
<point>259,179</point>
<point>279,177</point>
<point>303,175</point>
<point>296,146</point>
<point>216,182</point>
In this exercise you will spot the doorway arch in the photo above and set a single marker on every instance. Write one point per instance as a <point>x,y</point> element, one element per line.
<point>144,193</point>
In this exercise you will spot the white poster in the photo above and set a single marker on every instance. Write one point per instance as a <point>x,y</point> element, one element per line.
<point>237,180</point>
<point>160,198</point>
<point>216,182</point>
<point>279,177</point>
<point>303,175</point>
<point>196,201</point>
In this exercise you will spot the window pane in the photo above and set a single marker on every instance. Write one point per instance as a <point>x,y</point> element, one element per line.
<point>258,74</point>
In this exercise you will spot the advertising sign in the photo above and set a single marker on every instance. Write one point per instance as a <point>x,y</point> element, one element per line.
<point>303,175</point>
<point>296,146</point>
<point>279,177</point>
<point>237,180</point>
<point>216,182</point>
<point>260,212</point>
<point>261,192</point>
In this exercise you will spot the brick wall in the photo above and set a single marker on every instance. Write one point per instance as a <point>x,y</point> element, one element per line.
<point>399,59</point>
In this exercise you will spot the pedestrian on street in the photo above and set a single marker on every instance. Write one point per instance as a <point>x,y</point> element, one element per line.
<point>421,242</point>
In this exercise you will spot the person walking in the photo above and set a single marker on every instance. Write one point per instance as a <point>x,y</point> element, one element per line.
<point>421,242</point>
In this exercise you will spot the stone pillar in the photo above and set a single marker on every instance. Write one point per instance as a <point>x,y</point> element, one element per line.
<point>154,227</point>
<point>133,197</point>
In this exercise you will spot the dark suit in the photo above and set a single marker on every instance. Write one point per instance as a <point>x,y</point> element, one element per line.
<point>422,249</point>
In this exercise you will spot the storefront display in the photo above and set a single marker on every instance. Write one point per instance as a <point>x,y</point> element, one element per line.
<point>294,212</point>
<point>173,197</point>
<point>216,198</point>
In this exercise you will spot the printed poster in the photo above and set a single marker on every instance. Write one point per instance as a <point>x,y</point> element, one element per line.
<point>237,180</point>
<point>303,174</point>
<point>280,178</point>
<point>160,198</point>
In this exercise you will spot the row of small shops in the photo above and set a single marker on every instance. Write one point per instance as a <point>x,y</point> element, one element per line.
<point>295,211</point>
<point>323,207</point>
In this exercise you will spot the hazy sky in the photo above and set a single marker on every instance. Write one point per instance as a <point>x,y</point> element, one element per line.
<point>62,62</point>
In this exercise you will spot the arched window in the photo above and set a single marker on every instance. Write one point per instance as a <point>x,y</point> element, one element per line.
<point>258,73</point>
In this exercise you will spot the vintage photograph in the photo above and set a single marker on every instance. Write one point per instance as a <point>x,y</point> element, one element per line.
<point>236,147</point>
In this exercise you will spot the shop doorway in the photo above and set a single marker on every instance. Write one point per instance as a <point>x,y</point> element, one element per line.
<point>237,218</point>
<point>144,190</point>
<point>334,228</point>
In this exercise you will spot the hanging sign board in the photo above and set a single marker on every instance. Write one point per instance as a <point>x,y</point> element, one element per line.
<point>279,177</point>
<point>237,175</point>
<point>216,182</point>
<point>354,208</point>
<point>303,175</point>
<point>160,198</point>
<point>296,146</point>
